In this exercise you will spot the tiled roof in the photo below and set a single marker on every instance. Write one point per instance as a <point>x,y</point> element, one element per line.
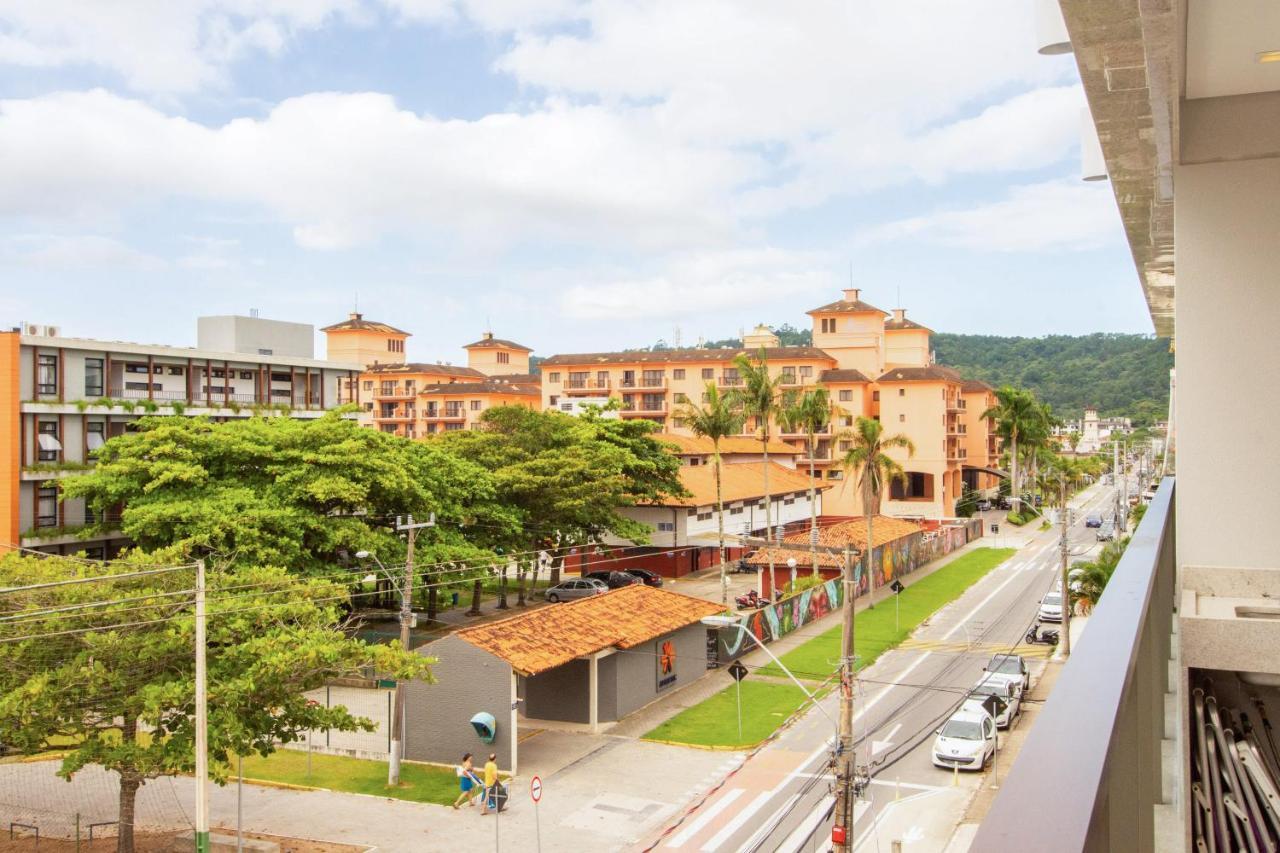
<point>693,445</point>
<point>528,378</point>
<point>484,343</point>
<point>853,533</point>
<point>843,376</point>
<point>900,325</point>
<point>420,367</point>
<point>932,373</point>
<point>739,481</point>
<point>490,386</point>
<point>969,385</point>
<point>679,356</point>
<point>847,306</point>
<point>357,323</point>
<point>548,637</point>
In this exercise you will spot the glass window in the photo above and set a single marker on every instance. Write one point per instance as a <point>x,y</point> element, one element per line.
<point>47,506</point>
<point>47,444</point>
<point>47,374</point>
<point>475,405</point>
<point>93,378</point>
<point>678,373</point>
<point>554,376</point>
<point>368,385</point>
<point>504,358</point>
<point>96,434</point>
<point>806,370</point>
<point>846,395</point>
<point>708,373</point>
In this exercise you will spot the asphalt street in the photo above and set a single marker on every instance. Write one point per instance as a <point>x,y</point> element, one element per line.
<point>782,798</point>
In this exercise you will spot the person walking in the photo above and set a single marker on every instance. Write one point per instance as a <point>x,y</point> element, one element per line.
<point>490,783</point>
<point>467,782</point>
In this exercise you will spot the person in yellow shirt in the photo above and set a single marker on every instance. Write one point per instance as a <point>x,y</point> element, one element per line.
<point>490,780</point>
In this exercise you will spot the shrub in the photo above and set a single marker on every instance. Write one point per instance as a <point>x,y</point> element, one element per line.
<point>803,581</point>
<point>1018,520</point>
<point>178,407</point>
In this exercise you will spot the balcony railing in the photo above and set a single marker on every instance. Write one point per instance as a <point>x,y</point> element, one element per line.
<point>584,385</point>
<point>643,382</point>
<point>1088,776</point>
<point>444,415</point>
<point>730,381</point>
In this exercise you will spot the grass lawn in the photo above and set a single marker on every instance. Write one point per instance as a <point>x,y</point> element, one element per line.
<point>873,629</point>
<point>714,721</point>
<point>419,783</point>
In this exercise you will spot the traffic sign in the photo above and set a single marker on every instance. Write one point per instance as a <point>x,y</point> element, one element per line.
<point>896,586</point>
<point>737,670</point>
<point>535,788</point>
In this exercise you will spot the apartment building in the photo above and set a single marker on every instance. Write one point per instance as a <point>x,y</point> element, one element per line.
<point>874,363</point>
<point>417,399</point>
<point>1138,746</point>
<point>61,397</point>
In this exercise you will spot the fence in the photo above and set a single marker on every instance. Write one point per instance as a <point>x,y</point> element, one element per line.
<point>373,703</point>
<point>777,620</point>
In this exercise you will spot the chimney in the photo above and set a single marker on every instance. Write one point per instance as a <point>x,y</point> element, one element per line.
<point>899,314</point>
<point>851,294</point>
<point>355,315</point>
<point>488,336</point>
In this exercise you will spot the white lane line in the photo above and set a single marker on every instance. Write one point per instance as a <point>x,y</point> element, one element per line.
<point>696,826</point>
<point>729,829</point>
<point>981,604</point>
<point>881,744</point>
<point>910,786</point>
<point>799,838</point>
<point>880,816</point>
<point>769,824</point>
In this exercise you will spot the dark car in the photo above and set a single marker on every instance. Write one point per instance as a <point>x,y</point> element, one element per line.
<point>614,580</point>
<point>649,578</point>
<point>1004,503</point>
<point>1093,520</point>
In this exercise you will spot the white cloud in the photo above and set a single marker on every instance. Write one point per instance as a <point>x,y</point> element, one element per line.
<point>1051,216</point>
<point>701,282</point>
<point>78,252</point>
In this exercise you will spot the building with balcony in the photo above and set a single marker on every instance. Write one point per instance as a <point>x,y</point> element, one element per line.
<point>1185,100</point>
<point>61,397</point>
<point>873,363</point>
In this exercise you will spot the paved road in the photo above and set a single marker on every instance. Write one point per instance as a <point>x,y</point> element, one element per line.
<point>781,798</point>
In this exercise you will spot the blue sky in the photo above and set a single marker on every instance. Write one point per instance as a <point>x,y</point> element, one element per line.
<point>574,175</point>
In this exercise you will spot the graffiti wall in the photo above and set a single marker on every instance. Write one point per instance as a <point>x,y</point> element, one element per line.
<point>777,620</point>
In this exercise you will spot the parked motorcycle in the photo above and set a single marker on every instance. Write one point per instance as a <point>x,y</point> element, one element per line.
<point>1047,637</point>
<point>750,601</point>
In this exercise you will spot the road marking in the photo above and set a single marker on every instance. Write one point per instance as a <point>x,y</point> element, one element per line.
<point>911,786</point>
<point>981,604</point>
<point>878,746</point>
<point>727,831</point>
<point>797,840</point>
<point>696,826</point>
<point>880,816</point>
<point>768,825</point>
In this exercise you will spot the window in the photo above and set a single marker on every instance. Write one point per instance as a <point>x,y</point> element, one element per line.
<point>704,516</point>
<point>387,388</point>
<point>875,395</point>
<point>708,373</point>
<point>835,474</point>
<point>735,510</point>
<point>666,527</point>
<point>902,419</point>
<point>918,487</point>
<point>731,376</point>
<point>431,428</point>
<point>219,373</point>
<point>47,444</point>
<point>95,434</point>
<point>142,386</point>
<point>244,374</point>
<point>210,389</point>
<point>554,399</point>
<point>504,358</point>
<point>47,506</point>
<point>47,374</point>
<point>262,351</point>
<point>602,378</point>
<point>902,392</point>
<point>706,398</point>
<point>476,404</point>
<point>789,500</point>
<point>652,378</point>
<point>846,395</point>
<point>157,369</point>
<point>281,377</point>
<point>554,376</point>
<point>136,368</point>
<point>828,325</point>
<point>389,428</point>
<point>368,384</point>
<point>93,378</point>
<point>806,370</point>
<point>681,398</point>
<point>452,426</point>
<point>409,386</point>
<point>394,345</point>
<point>677,373</point>
<point>677,423</point>
<point>789,374</point>
<point>368,407</point>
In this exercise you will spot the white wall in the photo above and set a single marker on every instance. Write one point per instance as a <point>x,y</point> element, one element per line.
<point>1228,361</point>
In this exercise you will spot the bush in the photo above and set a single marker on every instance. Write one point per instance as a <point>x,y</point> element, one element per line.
<point>1018,520</point>
<point>803,582</point>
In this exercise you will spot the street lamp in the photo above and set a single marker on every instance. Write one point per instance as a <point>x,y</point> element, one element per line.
<point>791,564</point>
<point>406,622</point>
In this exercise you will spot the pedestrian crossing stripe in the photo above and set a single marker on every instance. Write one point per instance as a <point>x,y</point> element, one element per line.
<point>1027,651</point>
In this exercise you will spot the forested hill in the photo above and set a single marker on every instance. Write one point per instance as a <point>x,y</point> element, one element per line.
<point>1124,375</point>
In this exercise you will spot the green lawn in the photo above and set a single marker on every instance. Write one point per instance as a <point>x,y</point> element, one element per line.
<point>714,721</point>
<point>419,783</point>
<point>873,631</point>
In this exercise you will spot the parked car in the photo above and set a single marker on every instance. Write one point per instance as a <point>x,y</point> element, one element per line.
<point>1006,690</point>
<point>1012,665</point>
<point>967,741</point>
<point>575,588</point>
<point>649,578</point>
<point>1107,531</point>
<point>1051,607</point>
<point>1093,520</point>
<point>614,580</point>
<point>984,505</point>
<point>1004,503</point>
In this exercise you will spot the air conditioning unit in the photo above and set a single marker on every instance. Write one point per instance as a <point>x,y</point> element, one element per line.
<point>33,329</point>
<point>51,331</point>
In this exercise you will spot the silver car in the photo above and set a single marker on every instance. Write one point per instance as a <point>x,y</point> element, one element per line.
<point>576,588</point>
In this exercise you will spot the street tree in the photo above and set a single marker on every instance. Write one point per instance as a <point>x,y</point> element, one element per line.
<point>875,469</point>
<point>108,666</point>
<point>716,418</point>
<point>1017,415</point>
<point>760,397</point>
<point>809,412</point>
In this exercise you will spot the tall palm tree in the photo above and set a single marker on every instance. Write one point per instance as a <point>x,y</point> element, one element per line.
<point>1017,414</point>
<point>810,412</point>
<point>759,397</point>
<point>875,469</point>
<point>717,417</point>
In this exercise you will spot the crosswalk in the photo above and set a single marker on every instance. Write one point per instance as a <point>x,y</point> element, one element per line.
<point>960,648</point>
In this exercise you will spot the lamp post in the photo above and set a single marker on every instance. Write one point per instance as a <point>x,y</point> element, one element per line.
<point>791,564</point>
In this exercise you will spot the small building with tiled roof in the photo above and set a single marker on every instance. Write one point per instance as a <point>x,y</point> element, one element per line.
<point>492,356</point>
<point>365,342</point>
<point>851,304</point>
<point>972,385</point>
<point>698,450</point>
<point>931,373</point>
<point>674,356</point>
<point>591,661</point>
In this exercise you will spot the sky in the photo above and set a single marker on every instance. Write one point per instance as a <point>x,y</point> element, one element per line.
<point>576,175</point>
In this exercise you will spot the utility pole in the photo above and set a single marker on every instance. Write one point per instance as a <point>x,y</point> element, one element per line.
<point>1066,586</point>
<point>1115,481</point>
<point>202,720</point>
<point>842,832</point>
<point>411,527</point>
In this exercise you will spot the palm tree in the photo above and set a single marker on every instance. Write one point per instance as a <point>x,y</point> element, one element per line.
<point>716,418</point>
<point>1089,580</point>
<point>759,398</point>
<point>810,412</point>
<point>875,469</point>
<point>1017,415</point>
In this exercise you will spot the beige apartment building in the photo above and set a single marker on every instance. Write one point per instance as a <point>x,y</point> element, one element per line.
<point>874,363</point>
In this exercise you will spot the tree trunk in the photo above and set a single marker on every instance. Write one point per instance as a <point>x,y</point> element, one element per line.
<point>477,590</point>
<point>129,784</point>
<point>555,570</point>
<point>869,509</point>
<point>1013,474</point>
<point>724,577</point>
<point>432,604</point>
<point>502,587</point>
<point>813,512</point>
<point>522,573</point>
<point>768,507</point>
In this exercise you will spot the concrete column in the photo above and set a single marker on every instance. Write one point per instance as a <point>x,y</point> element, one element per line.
<point>593,667</point>
<point>515,722</point>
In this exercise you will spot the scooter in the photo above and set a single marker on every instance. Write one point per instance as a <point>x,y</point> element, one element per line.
<point>1048,636</point>
<point>750,601</point>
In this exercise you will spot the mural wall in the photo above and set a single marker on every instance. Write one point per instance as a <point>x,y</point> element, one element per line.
<point>777,620</point>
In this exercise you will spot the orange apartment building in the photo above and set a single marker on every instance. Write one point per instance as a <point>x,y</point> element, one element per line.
<point>874,363</point>
<point>414,399</point>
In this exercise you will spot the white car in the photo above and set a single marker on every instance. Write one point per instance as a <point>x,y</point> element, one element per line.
<point>1007,689</point>
<point>966,741</point>
<point>1051,607</point>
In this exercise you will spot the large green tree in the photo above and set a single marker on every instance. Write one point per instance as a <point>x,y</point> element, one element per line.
<point>809,412</point>
<point>1018,415</point>
<point>109,665</point>
<point>761,397</point>
<point>875,469</point>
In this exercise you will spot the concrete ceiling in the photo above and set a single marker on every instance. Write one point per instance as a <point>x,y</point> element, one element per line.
<point>1224,38</point>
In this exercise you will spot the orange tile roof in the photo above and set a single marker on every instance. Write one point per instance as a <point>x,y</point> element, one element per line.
<point>853,533</point>
<point>694,445</point>
<point>548,637</point>
<point>739,481</point>
<point>357,323</point>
